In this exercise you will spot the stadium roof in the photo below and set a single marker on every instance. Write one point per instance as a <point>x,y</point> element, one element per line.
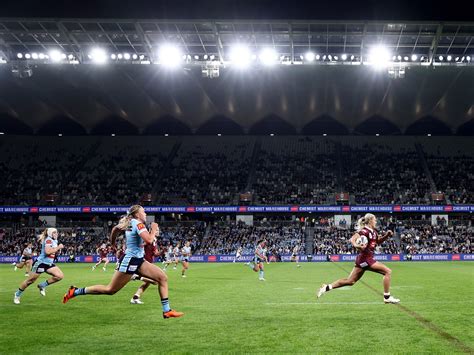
<point>290,38</point>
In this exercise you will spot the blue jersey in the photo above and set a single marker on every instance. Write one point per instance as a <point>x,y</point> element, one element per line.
<point>44,258</point>
<point>134,242</point>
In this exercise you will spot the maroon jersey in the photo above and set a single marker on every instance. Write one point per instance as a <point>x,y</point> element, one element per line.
<point>366,256</point>
<point>120,252</point>
<point>103,252</point>
<point>150,251</point>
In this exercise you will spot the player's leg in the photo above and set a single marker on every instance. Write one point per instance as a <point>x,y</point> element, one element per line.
<point>119,280</point>
<point>106,263</point>
<point>387,276</point>
<point>97,264</point>
<point>24,285</point>
<point>29,264</point>
<point>354,276</point>
<point>56,275</point>
<point>185,267</point>
<point>136,297</point>
<point>155,273</point>
<point>261,273</point>
<point>19,265</point>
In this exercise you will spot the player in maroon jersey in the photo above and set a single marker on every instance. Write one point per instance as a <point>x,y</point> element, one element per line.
<point>103,251</point>
<point>150,252</point>
<point>365,259</point>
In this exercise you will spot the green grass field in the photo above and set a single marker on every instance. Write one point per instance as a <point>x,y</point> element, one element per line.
<point>229,310</point>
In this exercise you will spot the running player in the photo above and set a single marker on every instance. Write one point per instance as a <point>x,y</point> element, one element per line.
<point>365,260</point>
<point>150,252</point>
<point>103,251</point>
<point>176,251</point>
<point>136,234</point>
<point>168,257</point>
<point>26,259</point>
<point>185,255</point>
<point>44,263</point>
<point>259,258</point>
<point>238,254</point>
<point>295,256</point>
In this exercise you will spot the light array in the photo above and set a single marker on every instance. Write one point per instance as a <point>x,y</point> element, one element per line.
<point>239,55</point>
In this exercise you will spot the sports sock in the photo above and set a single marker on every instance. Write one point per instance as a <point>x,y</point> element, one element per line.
<point>44,284</point>
<point>80,291</point>
<point>386,295</point>
<point>251,265</point>
<point>328,287</point>
<point>165,304</point>
<point>136,297</point>
<point>260,274</point>
<point>19,292</point>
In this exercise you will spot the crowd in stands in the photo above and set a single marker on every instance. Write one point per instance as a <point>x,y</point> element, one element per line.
<point>226,238</point>
<point>215,170</point>
<point>389,172</point>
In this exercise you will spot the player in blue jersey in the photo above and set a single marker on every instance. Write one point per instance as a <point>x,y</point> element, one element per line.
<point>44,263</point>
<point>133,262</point>
<point>259,258</point>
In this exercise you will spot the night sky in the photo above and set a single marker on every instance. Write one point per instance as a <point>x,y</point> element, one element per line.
<point>243,9</point>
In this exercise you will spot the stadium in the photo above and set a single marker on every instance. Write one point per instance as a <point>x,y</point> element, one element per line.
<point>264,185</point>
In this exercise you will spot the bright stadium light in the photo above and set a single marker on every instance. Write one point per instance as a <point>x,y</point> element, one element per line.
<point>70,57</point>
<point>170,56</point>
<point>98,56</point>
<point>120,56</point>
<point>41,56</point>
<point>449,58</point>
<point>268,56</point>
<point>19,55</point>
<point>310,56</point>
<point>318,56</point>
<point>126,56</point>
<point>344,56</point>
<point>34,55</point>
<point>336,58</point>
<point>414,57</point>
<point>134,56</point>
<point>55,55</point>
<point>468,58</point>
<point>27,55</point>
<point>440,58</point>
<point>113,56</point>
<point>405,58</point>
<point>240,56</point>
<point>379,57</point>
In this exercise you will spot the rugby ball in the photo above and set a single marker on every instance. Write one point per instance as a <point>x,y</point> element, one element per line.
<point>362,240</point>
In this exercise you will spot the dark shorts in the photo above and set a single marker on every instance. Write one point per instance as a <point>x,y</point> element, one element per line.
<point>129,264</point>
<point>257,260</point>
<point>25,258</point>
<point>364,261</point>
<point>39,268</point>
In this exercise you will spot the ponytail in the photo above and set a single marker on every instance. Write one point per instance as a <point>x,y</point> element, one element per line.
<point>124,222</point>
<point>43,235</point>
<point>364,221</point>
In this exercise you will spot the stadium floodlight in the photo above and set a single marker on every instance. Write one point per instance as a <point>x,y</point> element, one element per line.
<point>126,56</point>
<point>462,59</point>
<point>41,56</point>
<point>268,56</point>
<point>2,133</point>
<point>336,58</point>
<point>113,134</point>
<point>134,56</point>
<point>55,55</point>
<point>27,55</point>
<point>98,55</point>
<point>399,57</point>
<point>405,58</point>
<point>19,55</point>
<point>325,134</point>
<point>310,56</point>
<point>449,58</point>
<point>330,57</point>
<point>318,56</point>
<point>344,56</point>
<point>468,58</point>
<point>141,57</point>
<point>70,57</point>
<point>196,57</point>
<point>429,134</point>
<point>240,56</point>
<point>170,55</point>
<point>34,55</point>
<point>379,57</point>
<point>205,56</point>
<point>166,134</point>
<point>414,57</point>
<point>272,134</point>
<point>219,134</point>
<point>377,134</point>
<point>113,56</point>
<point>212,57</point>
<point>60,134</point>
<point>440,58</point>
<point>352,57</point>
<point>120,56</point>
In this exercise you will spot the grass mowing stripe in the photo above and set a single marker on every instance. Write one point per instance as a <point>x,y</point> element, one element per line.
<point>422,320</point>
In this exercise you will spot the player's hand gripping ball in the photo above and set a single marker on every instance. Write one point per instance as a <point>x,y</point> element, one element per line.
<point>361,241</point>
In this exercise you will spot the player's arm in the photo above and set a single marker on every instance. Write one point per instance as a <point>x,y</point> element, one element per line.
<point>116,231</point>
<point>50,250</point>
<point>353,242</point>
<point>146,235</point>
<point>387,235</point>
